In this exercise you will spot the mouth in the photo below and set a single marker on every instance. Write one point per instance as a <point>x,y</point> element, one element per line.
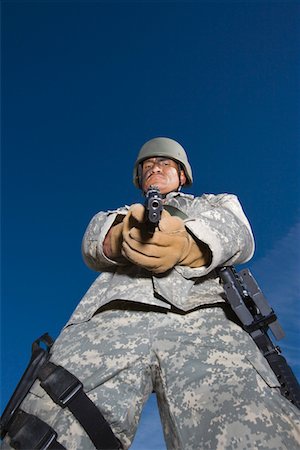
<point>155,175</point>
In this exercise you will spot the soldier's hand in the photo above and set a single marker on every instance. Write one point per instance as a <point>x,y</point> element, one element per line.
<point>135,218</point>
<point>112,245</point>
<point>169,245</point>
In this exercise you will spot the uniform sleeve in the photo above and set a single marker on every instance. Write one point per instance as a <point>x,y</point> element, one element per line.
<point>92,243</point>
<point>219,222</point>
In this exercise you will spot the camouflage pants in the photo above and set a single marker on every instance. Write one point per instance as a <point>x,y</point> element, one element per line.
<point>214,389</point>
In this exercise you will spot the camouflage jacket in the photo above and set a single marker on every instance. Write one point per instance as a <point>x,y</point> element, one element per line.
<point>217,220</point>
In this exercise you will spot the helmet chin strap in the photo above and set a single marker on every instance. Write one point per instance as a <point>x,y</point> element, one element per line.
<point>179,177</point>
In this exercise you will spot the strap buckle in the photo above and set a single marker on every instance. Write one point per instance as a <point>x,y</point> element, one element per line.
<point>29,431</point>
<point>59,384</point>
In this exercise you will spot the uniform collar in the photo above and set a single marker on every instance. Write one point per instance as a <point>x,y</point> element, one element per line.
<point>178,194</point>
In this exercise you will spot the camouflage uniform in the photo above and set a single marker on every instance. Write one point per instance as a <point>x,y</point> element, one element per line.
<point>134,332</point>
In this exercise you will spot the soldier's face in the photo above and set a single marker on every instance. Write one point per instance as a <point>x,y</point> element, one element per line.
<point>163,173</point>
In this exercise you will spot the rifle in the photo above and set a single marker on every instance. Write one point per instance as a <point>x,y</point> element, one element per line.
<point>257,317</point>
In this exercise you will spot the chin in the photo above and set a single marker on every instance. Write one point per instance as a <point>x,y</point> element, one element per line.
<point>157,185</point>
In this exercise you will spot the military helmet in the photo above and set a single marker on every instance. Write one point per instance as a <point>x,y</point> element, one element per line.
<point>167,148</point>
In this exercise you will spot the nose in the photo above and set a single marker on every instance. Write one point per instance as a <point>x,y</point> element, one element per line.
<point>156,168</point>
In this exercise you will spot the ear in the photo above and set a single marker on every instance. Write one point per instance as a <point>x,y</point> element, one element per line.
<point>182,178</point>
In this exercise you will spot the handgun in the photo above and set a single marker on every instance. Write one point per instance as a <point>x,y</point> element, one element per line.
<point>153,206</point>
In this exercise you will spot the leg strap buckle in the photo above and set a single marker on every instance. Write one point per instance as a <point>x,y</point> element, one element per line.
<point>28,431</point>
<point>59,384</point>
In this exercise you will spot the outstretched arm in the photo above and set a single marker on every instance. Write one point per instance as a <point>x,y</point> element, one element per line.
<point>96,251</point>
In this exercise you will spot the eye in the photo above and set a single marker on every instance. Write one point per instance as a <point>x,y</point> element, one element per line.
<point>147,166</point>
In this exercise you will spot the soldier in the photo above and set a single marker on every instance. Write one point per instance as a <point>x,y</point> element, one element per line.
<point>156,320</point>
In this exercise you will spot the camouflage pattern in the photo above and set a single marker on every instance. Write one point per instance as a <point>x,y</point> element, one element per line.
<point>133,333</point>
<point>214,388</point>
<point>217,220</point>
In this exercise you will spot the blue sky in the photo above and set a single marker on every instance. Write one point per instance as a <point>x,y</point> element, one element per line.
<point>84,85</point>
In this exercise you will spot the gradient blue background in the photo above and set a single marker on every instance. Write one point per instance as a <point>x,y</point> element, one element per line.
<point>84,85</point>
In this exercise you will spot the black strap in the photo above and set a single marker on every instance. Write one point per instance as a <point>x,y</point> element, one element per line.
<point>30,432</point>
<point>67,391</point>
<point>175,211</point>
<point>38,358</point>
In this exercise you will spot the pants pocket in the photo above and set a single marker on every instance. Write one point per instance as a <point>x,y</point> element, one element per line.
<point>262,367</point>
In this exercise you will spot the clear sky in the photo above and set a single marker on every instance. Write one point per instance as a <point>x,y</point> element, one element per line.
<point>84,85</point>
